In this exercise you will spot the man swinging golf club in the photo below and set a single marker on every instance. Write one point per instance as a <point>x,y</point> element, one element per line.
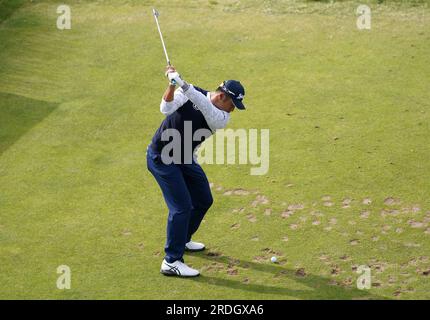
<point>184,185</point>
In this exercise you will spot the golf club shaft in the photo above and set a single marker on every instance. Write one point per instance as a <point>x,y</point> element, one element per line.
<point>161,35</point>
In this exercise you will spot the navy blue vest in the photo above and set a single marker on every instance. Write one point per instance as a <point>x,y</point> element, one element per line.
<point>176,121</point>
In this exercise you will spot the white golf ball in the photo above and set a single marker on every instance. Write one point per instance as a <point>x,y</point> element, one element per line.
<point>273,259</point>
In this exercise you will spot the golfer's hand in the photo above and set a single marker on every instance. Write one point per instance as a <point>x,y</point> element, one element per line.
<point>175,78</point>
<point>169,69</point>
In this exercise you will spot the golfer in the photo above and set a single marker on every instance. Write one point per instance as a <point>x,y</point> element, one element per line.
<point>184,184</point>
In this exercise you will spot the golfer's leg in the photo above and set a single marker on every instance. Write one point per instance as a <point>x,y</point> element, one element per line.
<point>178,200</point>
<point>200,192</point>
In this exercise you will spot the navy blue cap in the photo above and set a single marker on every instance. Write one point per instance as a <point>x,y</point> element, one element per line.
<point>235,91</point>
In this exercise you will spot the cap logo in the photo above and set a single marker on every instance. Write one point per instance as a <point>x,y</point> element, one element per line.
<point>228,91</point>
<point>240,96</point>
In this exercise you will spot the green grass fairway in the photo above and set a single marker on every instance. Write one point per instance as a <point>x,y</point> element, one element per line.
<point>349,119</point>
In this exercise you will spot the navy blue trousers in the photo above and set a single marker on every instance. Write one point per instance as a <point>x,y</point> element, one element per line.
<point>188,197</point>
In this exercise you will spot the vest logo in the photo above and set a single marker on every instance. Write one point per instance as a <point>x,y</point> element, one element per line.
<point>195,107</point>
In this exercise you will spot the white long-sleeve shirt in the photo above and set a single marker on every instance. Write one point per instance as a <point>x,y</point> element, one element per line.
<point>215,118</point>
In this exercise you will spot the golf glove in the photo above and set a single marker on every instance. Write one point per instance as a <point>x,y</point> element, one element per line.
<point>175,79</point>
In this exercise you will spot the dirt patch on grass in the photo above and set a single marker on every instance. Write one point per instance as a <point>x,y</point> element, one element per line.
<point>425,272</point>
<point>260,259</point>
<point>294,226</point>
<point>354,242</point>
<point>335,270</point>
<point>389,212</point>
<point>286,214</point>
<point>236,192</point>
<point>346,203</point>
<point>232,271</point>
<point>126,233</point>
<point>366,201</point>
<point>213,254</point>
<point>365,214</point>
<point>300,272</point>
<point>259,200</point>
<point>347,282</point>
<point>390,201</point>
<point>345,258</point>
<point>294,207</point>
<point>214,267</point>
<point>416,224</point>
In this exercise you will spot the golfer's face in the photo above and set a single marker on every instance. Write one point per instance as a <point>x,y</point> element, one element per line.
<point>228,104</point>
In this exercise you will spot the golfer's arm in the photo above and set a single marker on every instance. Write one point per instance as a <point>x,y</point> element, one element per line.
<point>216,118</point>
<point>169,93</point>
<point>172,100</point>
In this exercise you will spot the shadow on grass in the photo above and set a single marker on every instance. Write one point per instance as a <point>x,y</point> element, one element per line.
<point>19,114</point>
<point>318,287</point>
<point>8,7</point>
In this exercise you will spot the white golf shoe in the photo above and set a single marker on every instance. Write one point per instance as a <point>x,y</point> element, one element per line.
<point>178,268</point>
<point>194,246</point>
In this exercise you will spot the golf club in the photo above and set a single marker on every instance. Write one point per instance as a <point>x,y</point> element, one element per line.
<point>156,14</point>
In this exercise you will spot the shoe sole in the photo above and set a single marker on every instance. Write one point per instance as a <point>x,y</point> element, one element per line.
<point>195,250</point>
<point>174,274</point>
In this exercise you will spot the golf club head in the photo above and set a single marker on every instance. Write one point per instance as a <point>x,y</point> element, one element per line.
<point>155,12</point>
